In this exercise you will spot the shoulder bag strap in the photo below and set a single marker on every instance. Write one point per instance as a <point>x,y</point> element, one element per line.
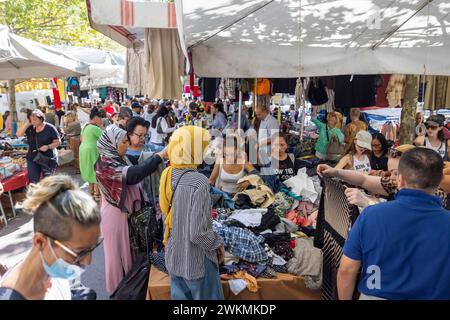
<point>176,186</point>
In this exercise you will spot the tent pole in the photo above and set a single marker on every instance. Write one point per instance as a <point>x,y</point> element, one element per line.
<point>239,110</point>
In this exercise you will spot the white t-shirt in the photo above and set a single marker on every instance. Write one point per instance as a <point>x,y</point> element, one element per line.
<point>159,137</point>
<point>362,165</point>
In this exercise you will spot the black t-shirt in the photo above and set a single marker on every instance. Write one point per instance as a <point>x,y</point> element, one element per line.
<point>45,137</point>
<point>379,163</point>
<point>287,169</point>
<point>10,294</point>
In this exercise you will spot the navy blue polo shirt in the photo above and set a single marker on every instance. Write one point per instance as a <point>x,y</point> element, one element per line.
<point>404,248</point>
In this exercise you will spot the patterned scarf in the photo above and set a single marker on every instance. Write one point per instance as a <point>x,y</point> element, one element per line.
<point>110,165</point>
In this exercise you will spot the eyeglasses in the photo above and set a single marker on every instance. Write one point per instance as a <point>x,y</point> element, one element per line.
<point>141,136</point>
<point>431,127</point>
<point>77,256</point>
<point>376,145</point>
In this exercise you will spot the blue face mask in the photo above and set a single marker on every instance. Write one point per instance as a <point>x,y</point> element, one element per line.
<point>60,268</point>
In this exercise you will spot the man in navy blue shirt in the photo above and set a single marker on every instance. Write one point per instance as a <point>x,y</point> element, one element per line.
<point>403,246</point>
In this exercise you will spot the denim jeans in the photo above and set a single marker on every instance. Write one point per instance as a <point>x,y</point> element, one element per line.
<point>156,147</point>
<point>35,171</point>
<point>206,288</point>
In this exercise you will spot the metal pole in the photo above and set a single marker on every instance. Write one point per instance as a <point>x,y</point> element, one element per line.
<point>239,110</point>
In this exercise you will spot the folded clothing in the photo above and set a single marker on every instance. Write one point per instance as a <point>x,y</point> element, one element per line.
<point>249,217</point>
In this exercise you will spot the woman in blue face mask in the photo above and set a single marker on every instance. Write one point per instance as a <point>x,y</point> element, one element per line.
<point>67,230</point>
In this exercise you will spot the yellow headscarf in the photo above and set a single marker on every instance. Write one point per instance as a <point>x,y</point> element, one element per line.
<point>186,148</point>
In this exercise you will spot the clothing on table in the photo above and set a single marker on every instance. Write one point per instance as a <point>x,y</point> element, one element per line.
<point>378,163</point>
<point>282,204</point>
<point>352,129</point>
<point>249,217</point>
<point>243,201</point>
<point>288,167</point>
<point>242,243</point>
<point>285,226</point>
<point>325,135</point>
<point>88,152</point>
<point>261,195</point>
<point>307,262</point>
<point>361,165</point>
<point>269,221</point>
<point>228,202</point>
<point>208,287</point>
<point>252,283</point>
<point>237,285</point>
<point>407,231</point>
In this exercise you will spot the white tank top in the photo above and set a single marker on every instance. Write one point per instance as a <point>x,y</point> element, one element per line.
<point>229,181</point>
<point>362,165</point>
<point>440,149</point>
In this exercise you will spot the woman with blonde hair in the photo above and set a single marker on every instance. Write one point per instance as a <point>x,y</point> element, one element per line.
<point>66,225</point>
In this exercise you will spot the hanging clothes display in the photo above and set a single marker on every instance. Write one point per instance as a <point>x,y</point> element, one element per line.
<point>73,85</point>
<point>395,90</point>
<point>209,87</point>
<point>316,93</point>
<point>437,93</point>
<point>382,101</point>
<point>354,91</point>
<point>263,87</point>
<point>165,63</point>
<point>286,85</point>
<point>230,89</point>
<point>135,74</point>
<point>389,130</point>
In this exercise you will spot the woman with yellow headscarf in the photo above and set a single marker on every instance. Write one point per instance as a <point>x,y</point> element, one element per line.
<point>193,251</point>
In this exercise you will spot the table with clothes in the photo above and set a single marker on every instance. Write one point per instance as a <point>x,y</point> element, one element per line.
<point>268,241</point>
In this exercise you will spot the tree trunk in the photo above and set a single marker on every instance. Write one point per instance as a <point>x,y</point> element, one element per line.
<point>12,96</point>
<point>407,122</point>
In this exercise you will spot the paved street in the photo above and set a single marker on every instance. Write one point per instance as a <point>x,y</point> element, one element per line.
<point>15,242</point>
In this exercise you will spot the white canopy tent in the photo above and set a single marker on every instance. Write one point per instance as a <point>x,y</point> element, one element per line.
<point>106,69</point>
<point>21,58</point>
<point>285,38</point>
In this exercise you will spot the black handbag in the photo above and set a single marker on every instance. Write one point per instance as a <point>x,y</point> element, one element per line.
<point>135,283</point>
<point>40,158</point>
<point>143,225</point>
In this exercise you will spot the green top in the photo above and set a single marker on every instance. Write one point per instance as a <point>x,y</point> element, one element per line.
<point>324,139</point>
<point>91,134</point>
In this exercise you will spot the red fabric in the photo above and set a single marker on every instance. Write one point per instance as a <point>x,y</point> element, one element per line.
<point>446,133</point>
<point>110,109</point>
<point>382,101</point>
<point>17,181</point>
<point>56,97</point>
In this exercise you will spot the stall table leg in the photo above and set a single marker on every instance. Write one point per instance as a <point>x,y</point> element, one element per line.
<point>12,204</point>
<point>3,215</point>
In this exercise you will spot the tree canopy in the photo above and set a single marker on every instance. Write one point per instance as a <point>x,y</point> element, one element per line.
<point>53,22</point>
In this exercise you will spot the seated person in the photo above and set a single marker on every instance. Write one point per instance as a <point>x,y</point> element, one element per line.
<point>358,158</point>
<point>378,157</point>
<point>231,167</point>
<point>284,164</point>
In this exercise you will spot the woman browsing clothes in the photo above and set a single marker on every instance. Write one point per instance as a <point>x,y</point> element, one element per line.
<point>358,158</point>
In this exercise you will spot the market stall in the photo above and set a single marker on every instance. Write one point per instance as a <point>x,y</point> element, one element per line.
<point>283,287</point>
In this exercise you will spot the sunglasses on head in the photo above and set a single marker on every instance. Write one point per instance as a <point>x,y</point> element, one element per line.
<point>393,153</point>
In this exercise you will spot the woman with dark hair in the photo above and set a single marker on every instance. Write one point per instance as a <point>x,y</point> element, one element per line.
<point>219,116</point>
<point>137,132</point>
<point>434,138</point>
<point>42,138</point>
<point>160,129</point>
<point>380,148</point>
<point>88,151</point>
<point>284,164</point>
